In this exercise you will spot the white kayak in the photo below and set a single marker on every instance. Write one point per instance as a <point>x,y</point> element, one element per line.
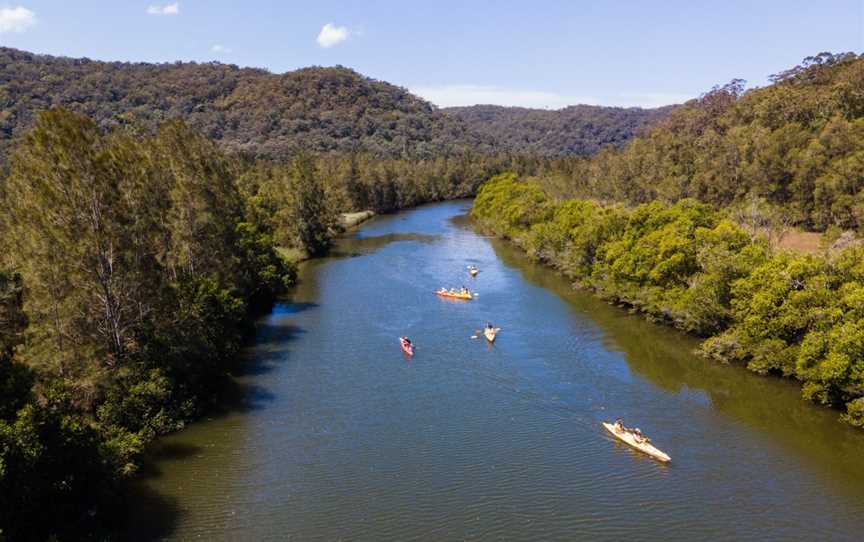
<point>644,447</point>
<point>491,333</point>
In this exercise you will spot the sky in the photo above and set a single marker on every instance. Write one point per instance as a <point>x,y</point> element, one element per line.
<point>525,53</point>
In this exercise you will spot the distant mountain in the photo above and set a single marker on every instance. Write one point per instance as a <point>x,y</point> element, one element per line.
<point>576,130</point>
<point>318,109</point>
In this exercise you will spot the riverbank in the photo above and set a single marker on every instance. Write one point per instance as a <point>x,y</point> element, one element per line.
<point>347,221</point>
<point>688,266</point>
<point>352,220</point>
<point>467,440</point>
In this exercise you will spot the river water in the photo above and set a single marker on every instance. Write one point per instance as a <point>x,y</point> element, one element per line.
<point>333,434</point>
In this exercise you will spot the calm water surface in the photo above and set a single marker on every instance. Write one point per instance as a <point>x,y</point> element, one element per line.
<point>334,435</point>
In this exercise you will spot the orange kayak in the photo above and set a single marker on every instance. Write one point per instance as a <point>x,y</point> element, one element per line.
<point>455,295</point>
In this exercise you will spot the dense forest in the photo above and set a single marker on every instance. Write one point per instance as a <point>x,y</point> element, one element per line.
<point>578,130</point>
<point>131,263</point>
<point>320,110</point>
<point>681,225</point>
<point>250,110</point>
<point>797,145</point>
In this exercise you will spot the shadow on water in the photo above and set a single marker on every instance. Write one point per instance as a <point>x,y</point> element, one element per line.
<point>165,451</point>
<point>154,515</point>
<point>270,349</point>
<point>666,358</point>
<point>362,246</point>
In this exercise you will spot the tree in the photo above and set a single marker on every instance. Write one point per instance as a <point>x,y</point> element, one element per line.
<point>310,213</point>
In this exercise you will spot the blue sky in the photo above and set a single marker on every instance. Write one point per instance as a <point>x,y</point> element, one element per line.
<point>532,53</point>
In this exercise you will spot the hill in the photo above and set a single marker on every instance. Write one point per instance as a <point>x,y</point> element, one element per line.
<point>795,148</point>
<point>576,130</point>
<point>247,109</point>
<point>319,109</point>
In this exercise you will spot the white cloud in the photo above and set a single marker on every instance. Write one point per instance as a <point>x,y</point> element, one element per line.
<point>220,49</point>
<point>167,9</point>
<point>458,95</point>
<point>453,95</point>
<point>18,19</point>
<point>653,99</point>
<point>331,35</point>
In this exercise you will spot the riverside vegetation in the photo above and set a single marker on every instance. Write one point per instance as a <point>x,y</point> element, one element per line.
<point>131,264</point>
<point>134,248</point>
<point>671,225</point>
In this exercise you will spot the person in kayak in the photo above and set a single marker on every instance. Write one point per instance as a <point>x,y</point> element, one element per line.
<point>489,325</point>
<point>639,437</point>
<point>407,341</point>
<point>619,425</point>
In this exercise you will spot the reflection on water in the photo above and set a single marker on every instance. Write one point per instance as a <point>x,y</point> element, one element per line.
<point>362,246</point>
<point>773,407</point>
<point>331,433</point>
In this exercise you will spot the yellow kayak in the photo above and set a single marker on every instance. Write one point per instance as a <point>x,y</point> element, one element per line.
<point>644,447</point>
<point>455,295</point>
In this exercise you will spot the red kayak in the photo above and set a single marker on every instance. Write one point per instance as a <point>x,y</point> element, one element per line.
<point>407,346</point>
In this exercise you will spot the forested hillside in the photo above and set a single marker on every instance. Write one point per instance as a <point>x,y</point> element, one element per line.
<point>252,110</point>
<point>680,225</point>
<point>316,109</point>
<point>796,145</point>
<point>580,130</point>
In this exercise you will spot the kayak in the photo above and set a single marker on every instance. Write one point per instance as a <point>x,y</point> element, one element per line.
<point>490,333</point>
<point>455,295</point>
<point>644,447</point>
<point>407,347</point>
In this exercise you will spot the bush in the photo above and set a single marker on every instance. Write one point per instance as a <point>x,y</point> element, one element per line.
<point>687,265</point>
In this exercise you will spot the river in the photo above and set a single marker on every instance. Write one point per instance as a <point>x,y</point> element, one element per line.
<point>333,434</point>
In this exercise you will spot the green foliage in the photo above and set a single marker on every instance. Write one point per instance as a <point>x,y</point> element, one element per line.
<point>269,115</point>
<point>13,321</point>
<point>310,212</point>
<point>580,130</point>
<point>52,480</point>
<point>264,273</point>
<point>322,110</point>
<point>512,206</point>
<point>798,144</point>
<point>688,265</point>
<point>136,269</point>
<point>138,261</point>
